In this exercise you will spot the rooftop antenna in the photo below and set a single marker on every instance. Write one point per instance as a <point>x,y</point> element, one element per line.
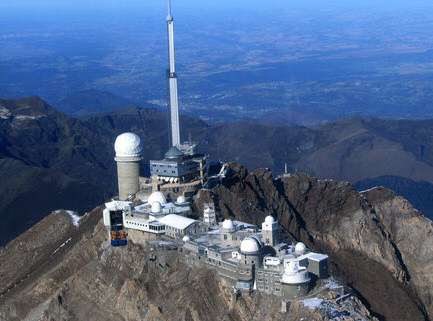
<point>172,82</point>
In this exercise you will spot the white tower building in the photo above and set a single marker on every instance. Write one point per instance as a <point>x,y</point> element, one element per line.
<point>128,157</point>
<point>209,217</point>
<point>270,231</point>
<point>172,83</point>
<point>295,280</point>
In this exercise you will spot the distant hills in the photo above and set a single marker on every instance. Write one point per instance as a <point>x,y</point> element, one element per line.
<point>50,160</point>
<point>91,101</point>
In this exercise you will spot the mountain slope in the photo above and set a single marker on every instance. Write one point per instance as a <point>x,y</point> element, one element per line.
<point>91,101</point>
<point>48,160</point>
<point>37,135</point>
<point>363,238</point>
<point>72,273</point>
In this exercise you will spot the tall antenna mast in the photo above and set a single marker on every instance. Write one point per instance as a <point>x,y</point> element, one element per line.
<point>172,83</point>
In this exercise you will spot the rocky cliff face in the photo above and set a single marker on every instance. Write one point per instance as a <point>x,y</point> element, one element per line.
<point>370,237</point>
<point>70,273</point>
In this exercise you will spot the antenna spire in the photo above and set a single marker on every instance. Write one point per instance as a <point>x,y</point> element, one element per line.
<point>169,16</point>
<point>172,83</point>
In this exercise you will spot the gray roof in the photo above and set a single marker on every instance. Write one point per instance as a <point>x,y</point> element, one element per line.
<point>174,153</point>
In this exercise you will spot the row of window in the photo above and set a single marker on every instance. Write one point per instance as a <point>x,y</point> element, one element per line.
<point>163,165</point>
<point>266,288</point>
<point>157,228</point>
<point>164,171</point>
<point>136,224</point>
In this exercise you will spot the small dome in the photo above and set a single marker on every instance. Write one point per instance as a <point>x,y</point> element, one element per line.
<point>156,207</point>
<point>181,199</point>
<point>228,224</point>
<point>174,153</point>
<point>269,219</point>
<point>157,197</point>
<point>250,245</point>
<point>127,145</point>
<point>186,238</point>
<point>300,248</point>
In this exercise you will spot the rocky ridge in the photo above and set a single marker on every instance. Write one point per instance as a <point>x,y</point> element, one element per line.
<point>77,275</point>
<point>370,237</point>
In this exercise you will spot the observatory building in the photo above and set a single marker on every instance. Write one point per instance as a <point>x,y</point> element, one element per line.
<point>181,172</point>
<point>155,212</point>
<point>128,157</point>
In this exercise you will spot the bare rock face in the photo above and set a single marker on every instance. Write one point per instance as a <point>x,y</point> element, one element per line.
<point>81,277</point>
<point>412,235</point>
<point>370,240</point>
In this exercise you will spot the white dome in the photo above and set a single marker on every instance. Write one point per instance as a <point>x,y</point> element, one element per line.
<point>300,248</point>
<point>157,197</point>
<point>228,224</point>
<point>269,219</point>
<point>181,199</point>
<point>127,145</point>
<point>156,207</point>
<point>186,238</point>
<point>250,245</point>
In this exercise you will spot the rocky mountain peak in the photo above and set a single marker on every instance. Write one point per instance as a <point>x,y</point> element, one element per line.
<point>362,232</point>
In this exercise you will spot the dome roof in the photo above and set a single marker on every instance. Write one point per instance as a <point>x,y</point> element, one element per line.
<point>250,245</point>
<point>157,197</point>
<point>181,199</point>
<point>127,145</point>
<point>269,219</point>
<point>300,248</point>
<point>173,153</point>
<point>156,207</point>
<point>228,224</point>
<point>186,238</point>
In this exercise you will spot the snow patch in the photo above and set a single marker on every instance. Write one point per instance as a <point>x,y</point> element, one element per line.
<point>4,113</point>
<point>75,218</point>
<point>370,189</point>
<point>66,242</point>
<point>312,303</point>
<point>23,117</point>
<point>332,284</point>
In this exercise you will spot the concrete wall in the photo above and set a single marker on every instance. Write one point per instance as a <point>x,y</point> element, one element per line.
<point>128,178</point>
<point>269,282</point>
<point>140,237</point>
<point>293,291</point>
<point>319,268</point>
